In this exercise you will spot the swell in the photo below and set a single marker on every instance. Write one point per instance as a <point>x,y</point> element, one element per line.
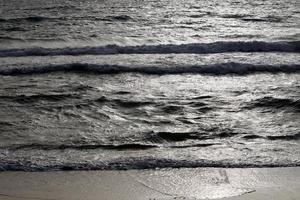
<point>213,69</point>
<point>196,48</point>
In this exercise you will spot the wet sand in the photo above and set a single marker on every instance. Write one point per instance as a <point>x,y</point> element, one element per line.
<point>161,184</point>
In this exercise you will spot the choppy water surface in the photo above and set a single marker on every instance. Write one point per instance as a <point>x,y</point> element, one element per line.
<point>135,22</point>
<point>149,84</point>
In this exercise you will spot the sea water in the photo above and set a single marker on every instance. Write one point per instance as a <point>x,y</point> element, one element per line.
<point>138,84</point>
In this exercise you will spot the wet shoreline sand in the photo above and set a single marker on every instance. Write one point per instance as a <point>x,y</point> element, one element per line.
<point>160,184</point>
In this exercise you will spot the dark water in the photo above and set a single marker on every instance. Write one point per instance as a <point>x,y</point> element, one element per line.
<point>149,84</point>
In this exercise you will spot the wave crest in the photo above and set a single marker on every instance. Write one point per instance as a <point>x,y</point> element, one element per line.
<point>195,48</point>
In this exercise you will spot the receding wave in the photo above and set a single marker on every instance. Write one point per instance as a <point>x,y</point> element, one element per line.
<point>213,69</point>
<point>195,48</point>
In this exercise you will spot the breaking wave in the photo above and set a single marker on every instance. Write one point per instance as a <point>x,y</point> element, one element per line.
<point>136,163</point>
<point>195,48</point>
<point>210,69</point>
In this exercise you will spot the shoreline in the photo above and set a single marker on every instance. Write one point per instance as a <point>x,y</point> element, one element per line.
<point>159,184</point>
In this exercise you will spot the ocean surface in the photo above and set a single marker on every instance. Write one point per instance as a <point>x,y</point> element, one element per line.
<point>139,84</point>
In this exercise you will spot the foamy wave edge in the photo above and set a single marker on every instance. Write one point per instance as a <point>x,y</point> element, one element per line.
<point>137,163</point>
<point>211,69</point>
<point>195,48</point>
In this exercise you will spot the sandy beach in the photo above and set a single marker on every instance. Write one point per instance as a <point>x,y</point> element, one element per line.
<point>162,184</point>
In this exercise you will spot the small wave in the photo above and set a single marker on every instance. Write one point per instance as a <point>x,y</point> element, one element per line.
<point>131,104</point>
<point>196,48</point>
<point>175,136</point>
<point>4,123</point>
<point>213,69</point>
<point>119,18</point>
<point>202,97</point>
<point>263,19</point>
<point>284,137</point>
<point>125,146</point>
<point>252,136</point>
<point>251,18</point>
<point>197,15</point>
<point>131,146</point>
<point>38,97</point>
<point>29,19</point>
<point>123,103</point>
<point>161,137</point>
<point>172,109</point>
<point>273,137</point>
<point>273,102</point>
<point>194,145</point>
<point>235,16</point>
<point>123,92</point>
<point>10,38</point>
<point>38,19</point>
<point>55,7</point>
<point>12,29</point>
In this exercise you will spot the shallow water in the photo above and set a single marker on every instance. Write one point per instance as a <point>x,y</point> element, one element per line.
<point>149,84</point>
<point>126,121</point>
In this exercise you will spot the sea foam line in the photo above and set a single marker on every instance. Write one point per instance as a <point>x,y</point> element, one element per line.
<point>195,48</point>
<point>136,163</point>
